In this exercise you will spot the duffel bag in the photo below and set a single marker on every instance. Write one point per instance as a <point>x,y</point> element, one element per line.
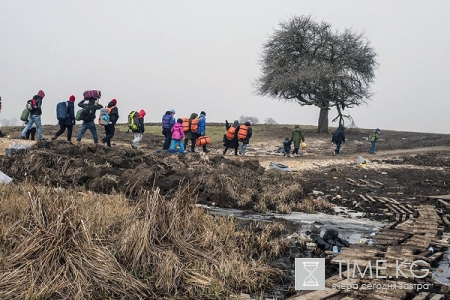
<point>95,94</point>
<point>202,141</point>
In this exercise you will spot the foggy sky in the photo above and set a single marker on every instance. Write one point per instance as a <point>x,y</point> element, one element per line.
<point>203,55</point>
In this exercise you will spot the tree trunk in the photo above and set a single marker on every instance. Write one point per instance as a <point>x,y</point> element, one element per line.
<point>322,126</point>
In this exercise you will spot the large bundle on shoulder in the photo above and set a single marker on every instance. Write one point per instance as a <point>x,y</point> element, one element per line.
<point>92,94</point>
<point>202,141</point>
<point>231,133</point>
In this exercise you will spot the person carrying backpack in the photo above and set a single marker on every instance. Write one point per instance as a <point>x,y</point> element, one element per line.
<point>338,137</point>
<point>231,137</point>
<point>138,132</point>
<point>88,117</point>
<point>244,134</point>
<point>189,135</point>
<point>168,120</point>
<point>110,128</point>
<point>68,122</point>
<point>202,128</point>
<point>373,139</point>
<point>296,138</point>
<point>34,106</point>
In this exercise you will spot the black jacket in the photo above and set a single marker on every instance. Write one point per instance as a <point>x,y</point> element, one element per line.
<point>92,107</point>
<point>114,114</point>
<point>38,110</point>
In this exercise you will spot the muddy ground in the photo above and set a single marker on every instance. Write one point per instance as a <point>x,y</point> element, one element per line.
<point>408,165</point>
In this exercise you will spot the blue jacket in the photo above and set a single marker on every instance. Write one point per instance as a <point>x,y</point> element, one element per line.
<point>168,121</point>
<point>201,125</point>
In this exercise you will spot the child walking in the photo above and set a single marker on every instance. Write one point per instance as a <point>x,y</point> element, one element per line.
<point>287,147</point>
<point>373,139</point>
<point>139,131</point>
<point>177,137</point>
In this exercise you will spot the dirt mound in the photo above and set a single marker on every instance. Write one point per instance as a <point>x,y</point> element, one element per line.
<point>216,179</point>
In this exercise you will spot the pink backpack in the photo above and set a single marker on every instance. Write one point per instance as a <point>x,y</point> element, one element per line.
<point>95,94</point>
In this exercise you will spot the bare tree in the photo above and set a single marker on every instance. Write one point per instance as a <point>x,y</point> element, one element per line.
<point>270,121</point>
<point>307,63</point>
<point>253,120</point>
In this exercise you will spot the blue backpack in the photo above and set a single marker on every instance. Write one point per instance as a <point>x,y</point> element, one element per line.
<point>61,111</point>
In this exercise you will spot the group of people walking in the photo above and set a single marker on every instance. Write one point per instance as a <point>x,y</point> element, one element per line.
<point>87,113</point>
<point>177,133</point>
<point>236,133</point>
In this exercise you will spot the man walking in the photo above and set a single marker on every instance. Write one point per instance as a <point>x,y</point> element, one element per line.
<point>34,106</point>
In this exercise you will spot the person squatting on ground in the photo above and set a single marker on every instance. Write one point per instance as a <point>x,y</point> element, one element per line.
<point>110,129</point>
<point>88,117</point>
<point>68,122</point>
<point>373,139</point>
<point>297,137</point>
<point>177,137</point>
<point>244,134</point>
<point>190,135</point>
<point>287,147</point>
<point>338,137</point>
<point>230,139</point>
<point>138,133</point>
<point>35,115</point>
<point>202,128</point>
<point>168,120</point>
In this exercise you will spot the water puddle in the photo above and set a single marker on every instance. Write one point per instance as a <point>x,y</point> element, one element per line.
<point>351,225</point>
<point>442,272</point>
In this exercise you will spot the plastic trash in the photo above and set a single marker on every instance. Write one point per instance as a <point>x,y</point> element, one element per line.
<point>431,249</point>
<point>4,179</point>
<point>372,234</point>
<point>336,249</point>
<point>17,149</point>
<point>279,167</point>
<point>369,242</point>
<point>363,241</point>
<point>361,160</point>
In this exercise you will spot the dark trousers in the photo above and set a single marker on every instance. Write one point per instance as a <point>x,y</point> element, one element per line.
<point>235,150</point>
<point>338,147</point>
<point>193,144</point>
<point>62,128</point>
<point>31,132</point>
<point>110,129</point>
<point>295,151</point>
<point>168,138</point>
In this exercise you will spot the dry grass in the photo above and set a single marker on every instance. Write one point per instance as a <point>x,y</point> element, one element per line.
<point>67,244</point>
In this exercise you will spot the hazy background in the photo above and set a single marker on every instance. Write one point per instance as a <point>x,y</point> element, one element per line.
<point>203,55</point>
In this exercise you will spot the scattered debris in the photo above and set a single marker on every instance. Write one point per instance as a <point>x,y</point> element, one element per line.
<point>279,166</point>
<point>4,179</point>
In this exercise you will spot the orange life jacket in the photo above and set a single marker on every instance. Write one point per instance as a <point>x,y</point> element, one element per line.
<point>231,132</point>
<point>100,116</point>
<point>194,125</point>
<point>202,141</point>
<point>185,124</point>
<point>243,131</point>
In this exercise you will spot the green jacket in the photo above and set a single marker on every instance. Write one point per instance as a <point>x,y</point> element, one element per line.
<point>374,137</point>
<point>297,136</point>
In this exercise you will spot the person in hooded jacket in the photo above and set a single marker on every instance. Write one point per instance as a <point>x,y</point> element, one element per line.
<point>138,133</point>
<point>177,137</point>
<point>202,128</point>
<point>88,123</point>
<point>110,129</point>
<point>227,141</point>
<point>297,137</point>
<point>374,137</point>
<point>189,135</point>
<point>68,122</point>
<point>35,116</point>
<point>168,120</point>
<point>338,138</point>
<point>244,134</point>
